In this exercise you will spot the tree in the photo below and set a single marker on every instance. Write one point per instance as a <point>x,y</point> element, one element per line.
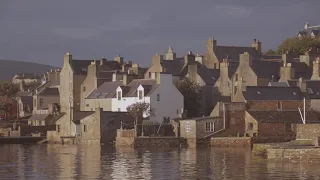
<point>192,96</point>
<point>271,52</point>
<point>137,110</point>
<point>7,93</point>
<point>298,45</point>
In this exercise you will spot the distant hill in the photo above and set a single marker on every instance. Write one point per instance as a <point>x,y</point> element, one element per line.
<point>10,68</point>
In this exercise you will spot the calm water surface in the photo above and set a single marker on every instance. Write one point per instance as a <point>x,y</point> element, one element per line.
<point>102,162</point>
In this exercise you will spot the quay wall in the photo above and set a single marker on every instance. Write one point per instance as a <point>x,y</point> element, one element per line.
<point>231,142</point>
<point>310,154</point>
<point>21,140</point>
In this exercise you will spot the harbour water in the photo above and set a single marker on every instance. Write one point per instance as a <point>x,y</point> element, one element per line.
<point>102,162</point>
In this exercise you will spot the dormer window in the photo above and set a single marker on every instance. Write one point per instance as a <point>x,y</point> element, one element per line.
<point>140,95</point>
<point>119,95</point>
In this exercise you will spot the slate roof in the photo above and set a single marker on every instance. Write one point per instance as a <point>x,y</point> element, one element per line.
<point>313,89</point>
<point>149,86</point>
<point>81,66</point>
<point>173,67</point>
<point>284,116</point>
<point>232,52</point>
<point>279,84</point>
<point>28,76</point>
<point>269,93</point>
<point>106,90</point>
<point>209,76</point>
<point>301,69</point>
<point>265,69</point>
<point>39,117</point>
<point>27,99</point>
<point>23,93</point>
<point>49,92</point>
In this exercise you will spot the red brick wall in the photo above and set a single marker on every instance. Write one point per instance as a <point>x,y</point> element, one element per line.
<point>12,112</point>
<point>273,129</point>
<point>272,105</point>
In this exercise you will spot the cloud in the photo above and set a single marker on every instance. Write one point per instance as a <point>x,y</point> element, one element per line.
<point>234,11</point>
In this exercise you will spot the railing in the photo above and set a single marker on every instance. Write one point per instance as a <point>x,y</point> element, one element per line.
<point>41,111</point>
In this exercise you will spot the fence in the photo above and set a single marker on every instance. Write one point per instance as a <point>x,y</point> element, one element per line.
<point>150,129</point>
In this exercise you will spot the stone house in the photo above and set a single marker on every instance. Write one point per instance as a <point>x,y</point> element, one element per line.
<point>233,113</point>
<point>276,124</point>
<point>171,64</point>
<point>206,78</point>
<point>88,127</point>
<point>215,54</point>
<point>313,92</point>
<point>74,73</point>
<point>27,78</point>
<point>270,98</point>
<point>158,91</point>
<point>44,98</point>
<point>25,105</point>
<point>198,128</point>
<point>309,31</point>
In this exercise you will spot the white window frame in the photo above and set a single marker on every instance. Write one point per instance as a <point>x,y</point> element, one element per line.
<point>209,127</point>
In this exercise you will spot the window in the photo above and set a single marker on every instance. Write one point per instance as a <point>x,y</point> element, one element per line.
<point>87,105</point>
<point>119,95</point>
<point>288,127</point>
<point>188,126</point>
<point>279,105</point>
<point>158,97</point>
<point>149,74</point>
<point>119,109</point>
<point>140,94</point>
<point>250,126</point>
<point>84,89</point>
<point>58,128</point>
<point>209,126</point>
<point>41,102</point>
<point>84,128</point>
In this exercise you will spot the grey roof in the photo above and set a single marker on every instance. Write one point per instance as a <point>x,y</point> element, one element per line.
<point>27,99</point>
<point>313,89</point>
<point>284,116</point>
<point>301,69</point>
<point>49,92</point>
<point>149,86</point>
<point>279,84</point>
<point>39,117</point>
<point>23,93</point>
<point>232,52</point>
<point>209,76</point>
<point>266,69</point>
<point>173,67</point>
<point>28,76</point>
<point>269,93</point>
<point>106,90</point>
<point>81,66</point>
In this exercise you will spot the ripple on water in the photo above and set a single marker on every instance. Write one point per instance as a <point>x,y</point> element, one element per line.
<point>102,162</point>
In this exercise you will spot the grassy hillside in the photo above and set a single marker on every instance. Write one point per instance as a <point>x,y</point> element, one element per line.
<point>10,68</point>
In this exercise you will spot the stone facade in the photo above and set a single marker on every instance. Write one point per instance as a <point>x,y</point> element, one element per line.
<point>307,131</point>
<point>231,142</point>
<point>200,127</point>
<point>308,155</point>
<point>276,105</point>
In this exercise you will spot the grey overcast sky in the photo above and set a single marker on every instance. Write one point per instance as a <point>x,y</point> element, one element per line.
<point>43,31</point>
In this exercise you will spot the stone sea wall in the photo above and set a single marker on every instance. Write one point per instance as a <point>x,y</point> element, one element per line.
<point>231,142</point>
<point>146,142</point>
<point>310,155</point>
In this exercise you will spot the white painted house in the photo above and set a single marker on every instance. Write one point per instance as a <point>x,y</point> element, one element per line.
<point>159,91</point>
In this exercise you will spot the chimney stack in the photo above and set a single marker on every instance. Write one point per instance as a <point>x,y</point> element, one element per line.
<point>102,60</point>
<point>286,72</point>
<point>124,79</point>
<point>257,45</point>
<point>67,58</point>
<point>157,59</point>
<point>315,72</point>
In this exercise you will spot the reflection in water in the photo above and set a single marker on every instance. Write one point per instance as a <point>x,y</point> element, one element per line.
<point>102,162</point>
